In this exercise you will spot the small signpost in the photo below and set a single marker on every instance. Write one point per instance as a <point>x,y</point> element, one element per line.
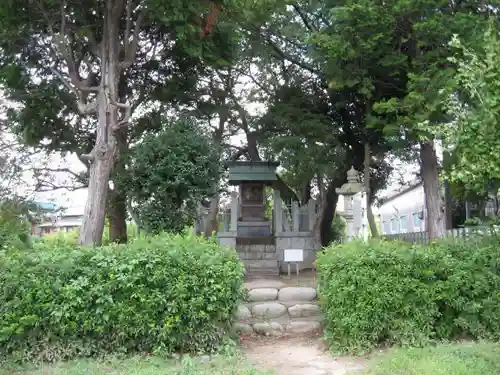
<point>293,256</point>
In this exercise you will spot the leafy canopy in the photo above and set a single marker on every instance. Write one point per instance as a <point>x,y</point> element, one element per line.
<point>474,135</point>
<point>168,175</point>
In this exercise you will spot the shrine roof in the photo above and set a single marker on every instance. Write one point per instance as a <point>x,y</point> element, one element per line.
<point>261,171</point>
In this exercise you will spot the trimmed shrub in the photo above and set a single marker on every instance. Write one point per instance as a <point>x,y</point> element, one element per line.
<point>392,293</point>
<point>167,293</point>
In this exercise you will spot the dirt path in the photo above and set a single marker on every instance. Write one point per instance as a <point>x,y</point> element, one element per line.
<point>293,356</point>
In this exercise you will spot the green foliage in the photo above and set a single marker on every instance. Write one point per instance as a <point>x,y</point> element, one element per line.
<point>14,226</point>
<point>447,359</point>
<point>339,227</point>
<point>142,365</point>
<point>394,56</point>
<point>165,293</point>
<point>58,240</point>
<point>393,293</point>
<point>168,175</point>
<point>474,133</point>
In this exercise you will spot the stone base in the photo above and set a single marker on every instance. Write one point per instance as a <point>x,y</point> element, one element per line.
<point>275,309</point>
<point>259,260</point>
<point>255,228</point>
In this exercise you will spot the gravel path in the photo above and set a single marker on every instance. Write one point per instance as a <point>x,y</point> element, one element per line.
<point>297,356</point>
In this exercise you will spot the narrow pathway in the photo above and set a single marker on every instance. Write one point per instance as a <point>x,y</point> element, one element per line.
<point>297,356</point>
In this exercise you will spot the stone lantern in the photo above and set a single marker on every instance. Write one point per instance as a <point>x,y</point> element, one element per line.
<point>348,191</point>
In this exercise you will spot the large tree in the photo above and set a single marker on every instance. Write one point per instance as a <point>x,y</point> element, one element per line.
<point>315,131</point>
<point>82,69</point>
<point>394,55</point>
<point>474,132</point>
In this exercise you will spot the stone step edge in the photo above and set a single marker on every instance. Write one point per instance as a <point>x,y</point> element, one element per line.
<point>258,274</point>
<point>274,270</point>
<point>271,284</point>
<point>260,263</point>
<point>250,304</point>
<point>275,328</point>
<point>259,257</point>
<point>285,319</point>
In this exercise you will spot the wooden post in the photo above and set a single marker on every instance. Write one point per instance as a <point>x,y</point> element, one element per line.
<point>295,217</point>
<point>312,213</point>
<point>278,213</point>
<point>234,212</point>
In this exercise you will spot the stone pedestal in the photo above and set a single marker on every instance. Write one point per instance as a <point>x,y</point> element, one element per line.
<point>254,228</point>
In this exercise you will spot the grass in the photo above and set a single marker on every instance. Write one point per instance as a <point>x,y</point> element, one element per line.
<point>140,366</point>
<point>446,359</point>
<point>450,359</point>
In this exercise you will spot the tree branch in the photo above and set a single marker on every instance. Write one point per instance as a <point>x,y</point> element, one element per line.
<point>304,18</point>
<point>256,82</point>
<point>285,56</point>
<point>131,46</point>
<point>75,84</point>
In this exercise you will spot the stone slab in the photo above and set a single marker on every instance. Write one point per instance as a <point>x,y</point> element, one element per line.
<point>263,294</point>
<point>303,310</point>
<point>271,328</point>
<point>283,320</point>
<point>297,293</point>
<point>268,310</point>
<point>254,284</point>
<point>303,326</point>
<point>249,304</point>
<point>243,313</point>
<point>243,328</point>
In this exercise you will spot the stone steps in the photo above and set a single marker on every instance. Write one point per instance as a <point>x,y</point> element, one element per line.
<point>257,256</point>
<point>275,309</point>
<point>260,263</point>
<point>259,260</point>
<point>259,273</point>
<point>256,249</point>
<point>260,268</point>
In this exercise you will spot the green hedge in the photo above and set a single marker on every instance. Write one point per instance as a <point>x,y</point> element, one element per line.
<point>167,293</point>
<point>392,293</point>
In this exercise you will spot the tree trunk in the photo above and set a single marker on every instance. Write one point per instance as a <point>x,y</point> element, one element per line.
<point>103,154</point>
<point>328,214</point>
<point>95,208</point>
<point>135,216</point>
<point>117,216</point>
<point>448,199</point>
<point>369,212</point>
<point>117,198</point>
<point>211,219</point>
<point>435,222</point>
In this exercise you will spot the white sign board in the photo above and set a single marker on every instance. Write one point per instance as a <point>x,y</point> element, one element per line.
<point>293,255</point>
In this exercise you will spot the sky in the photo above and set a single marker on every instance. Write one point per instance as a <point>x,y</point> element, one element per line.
<point>76,199</point>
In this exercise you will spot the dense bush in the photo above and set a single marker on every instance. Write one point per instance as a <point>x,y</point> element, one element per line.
<point>382,292</point>
<point>14,227</point>
<point>168,173</point>
<point>164,293</point>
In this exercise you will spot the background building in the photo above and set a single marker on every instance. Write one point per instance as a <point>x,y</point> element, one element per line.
<point>403,211</point>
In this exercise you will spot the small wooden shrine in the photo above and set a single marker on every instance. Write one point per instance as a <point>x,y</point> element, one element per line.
<point>252,177</point>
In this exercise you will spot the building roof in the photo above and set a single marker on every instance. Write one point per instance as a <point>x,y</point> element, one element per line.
<point>261,171</point>
<point>73,211</point>
<point>45,206</point>
<point>402,190</point>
